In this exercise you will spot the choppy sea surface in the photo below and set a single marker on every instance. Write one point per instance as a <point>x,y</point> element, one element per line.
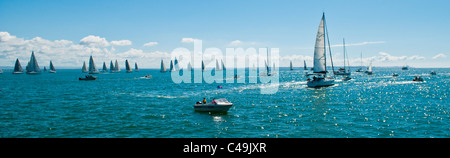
<point>129,105</point>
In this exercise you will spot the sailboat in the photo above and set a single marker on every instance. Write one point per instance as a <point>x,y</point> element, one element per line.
<point>360,69</point>
<point>163,67</point>
<point>304,65</point>
<point>217,66</point>
<point>1,70</point>
<point>52,68</point>
<point>369,69</point>
<point>320,78</point>
<point>127,66</point>
<point>104,67</point>
<point>136,69</point>
<point>84,69</point>
<point>223,66</point>
<point>33,67</point>
<point>111,67</point>
<point>92,68</point>
<point>116,67</point>
<point>17,67</point>
<point>203,66</point>
<point>344,71</point>
<point>45,69</point>
<point>189,67</point>
<point>171,69</point>
<point>291,68</point>
<point>175,65</point>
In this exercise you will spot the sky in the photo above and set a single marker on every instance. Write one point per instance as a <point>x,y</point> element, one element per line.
<point>386,32</point>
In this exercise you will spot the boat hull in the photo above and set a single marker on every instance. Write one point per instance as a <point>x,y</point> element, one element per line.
<point>320,83</point>
<point>212,107</point>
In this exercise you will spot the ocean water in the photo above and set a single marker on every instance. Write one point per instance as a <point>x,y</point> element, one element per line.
<point>128,105</point>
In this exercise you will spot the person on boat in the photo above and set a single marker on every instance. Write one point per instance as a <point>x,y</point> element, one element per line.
<point>308,80</point>
<point>214,101</point>
<point>204,100</point>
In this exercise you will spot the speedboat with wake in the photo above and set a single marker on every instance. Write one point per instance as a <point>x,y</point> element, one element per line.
<point>417,79</point>
<point>88,77</point>
<point>217,105</point>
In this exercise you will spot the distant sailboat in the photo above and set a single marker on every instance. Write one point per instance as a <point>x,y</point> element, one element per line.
<point>223,66</point>
<point>360,69</point>
<point>304,65</point>
<point>203,66</point>
<point>111,67</point>
<point>290,66</point>
<point>104,67</point>
<point>17,67</point>
<point>127,66</point>
<point>346,70</point>
<point>369,69</point>
<point>116,67</point>
<point>136,69</point>
<point>320,69</point>
<point>217,66</point>
<point>52,68</point>
<point>33,67</point>
<point>171,66</point>
<point>189,67</point>
<point>84,69</point>
<point>45,69</point>
<point>92,68</point>
<point>1,70</point>
<point>176,66</point>
<point>163,67</point>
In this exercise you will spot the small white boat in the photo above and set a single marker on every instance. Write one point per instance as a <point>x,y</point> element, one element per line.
<point>346,78</point>
<point>217,105</point>
<point>148,76</point>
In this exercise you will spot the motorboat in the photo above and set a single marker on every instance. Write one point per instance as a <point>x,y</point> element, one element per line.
<point>417,79</point>
<point>346,78</point>
<point>432,73</point>
<point>320,81</point>
<point>217,105</point>
<point>148,76</point>
<point>395,75</point>
<point>88,77</point>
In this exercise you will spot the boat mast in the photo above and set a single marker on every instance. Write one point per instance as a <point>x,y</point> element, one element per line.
<point>329,47</point>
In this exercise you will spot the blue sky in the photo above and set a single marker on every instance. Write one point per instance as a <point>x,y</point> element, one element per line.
<point>390,33</point>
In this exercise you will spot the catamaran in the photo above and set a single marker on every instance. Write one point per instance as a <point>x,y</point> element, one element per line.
<point>17,67</point>
<point>92,68</point>
<point>320,78</point>
<point>52,68</point>
<point>127,66</point>
<point>33,67</point>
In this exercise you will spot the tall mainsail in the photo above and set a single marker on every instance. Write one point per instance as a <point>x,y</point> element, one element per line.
<point>84,69</point>
<point>319,49</point>
<point>163,67</point>
<point>92,68</point>
<point>33,67</point>
<point>136,69</point>
<point>127,66</point>
<point>52,68</point>
<point>304,65</point>
<point>17,67</point>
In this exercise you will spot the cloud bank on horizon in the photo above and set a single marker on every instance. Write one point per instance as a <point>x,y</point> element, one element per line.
<point>67,53</point>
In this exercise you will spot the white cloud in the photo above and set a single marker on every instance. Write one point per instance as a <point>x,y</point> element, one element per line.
<point>121,43</point>
<point>5,36</point>
<point>357,44</point>
<point>188,40</point>
<point>95,41</point>
<point>149,44</point>
<point>440,55</point>
<point>235,43</point>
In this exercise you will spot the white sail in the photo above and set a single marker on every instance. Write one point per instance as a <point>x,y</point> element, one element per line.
<point>111,67</point>
<point>92,68</point>
<point>319,49</point>
<point>370,67</point>
<point>127,66</point>
<point>17,67</point>
<point>33,67</point>
<point>217,66</point>
<point>163,67</point>
<point>136,68</point>
<point>189,68</point>
<point>52,68</point>
<point>84,69</point>
<point>116,67</point>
